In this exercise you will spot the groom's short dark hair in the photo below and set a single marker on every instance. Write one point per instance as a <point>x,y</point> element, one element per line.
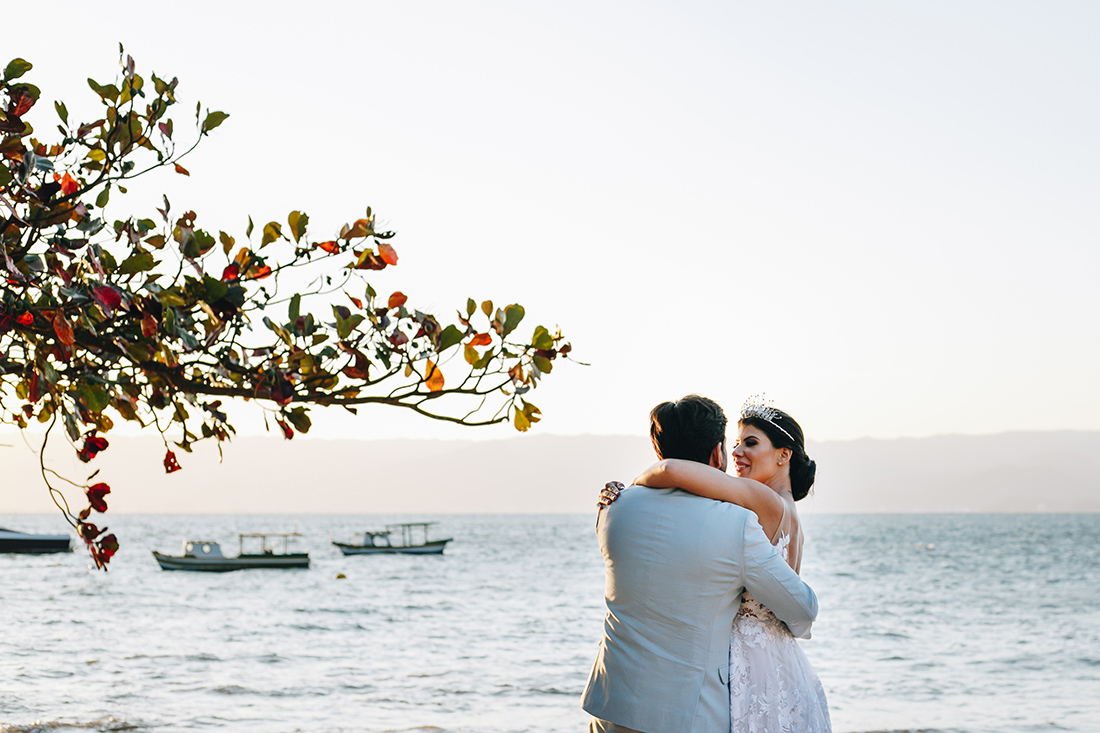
<point>688,428</point>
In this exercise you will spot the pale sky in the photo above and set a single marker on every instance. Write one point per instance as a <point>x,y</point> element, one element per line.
<point>882,215</point>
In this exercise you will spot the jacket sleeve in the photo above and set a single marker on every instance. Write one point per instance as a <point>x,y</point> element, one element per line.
<point>772,582</point>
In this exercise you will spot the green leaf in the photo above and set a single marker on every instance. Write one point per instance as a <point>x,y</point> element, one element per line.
<point>103,197</point>
<point>543,364</point>
<point>213,120</point>
<point>295,309</point>
<point>448,338</point>
<point>345,327</point>
<point>248,232</point>
<point>62,112</point>
<point>16,68</point>
<point>471,306</point>
<point>513,314</point>
<point>484,360</point>
<point>299,419</point>
<point>94,397</point>
<point>279,330</point>
<point>105,91</point>
<point>227,241</point>
<point>215,289</point>
<point>171,297</point>
<point>542,339</point>
<point>5,175</point>
<point>137,262</point>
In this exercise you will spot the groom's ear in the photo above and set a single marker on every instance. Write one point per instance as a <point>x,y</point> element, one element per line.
<point>718,456</point>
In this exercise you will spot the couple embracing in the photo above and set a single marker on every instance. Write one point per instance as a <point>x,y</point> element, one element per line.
<point>703,596</point>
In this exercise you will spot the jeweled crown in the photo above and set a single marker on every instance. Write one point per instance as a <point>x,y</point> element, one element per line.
<point>757,406</point>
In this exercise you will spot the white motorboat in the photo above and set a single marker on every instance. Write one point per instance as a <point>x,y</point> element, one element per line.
<point>206,556</point>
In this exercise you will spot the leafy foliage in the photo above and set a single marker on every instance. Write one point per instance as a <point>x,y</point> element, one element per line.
<point>155,320</point>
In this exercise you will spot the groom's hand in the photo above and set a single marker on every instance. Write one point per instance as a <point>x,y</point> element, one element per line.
<point>609,493</point>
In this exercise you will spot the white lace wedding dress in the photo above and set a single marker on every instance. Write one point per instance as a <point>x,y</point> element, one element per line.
<point>773,688</point>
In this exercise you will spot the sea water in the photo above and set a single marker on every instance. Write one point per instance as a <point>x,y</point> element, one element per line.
<point>930,622</point>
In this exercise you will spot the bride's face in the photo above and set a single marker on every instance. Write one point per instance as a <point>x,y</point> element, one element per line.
<point>754,456</point>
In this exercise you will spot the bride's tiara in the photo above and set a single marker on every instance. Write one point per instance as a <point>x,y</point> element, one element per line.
<point>758,407</point>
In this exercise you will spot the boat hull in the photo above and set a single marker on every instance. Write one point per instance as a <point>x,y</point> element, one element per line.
<point>227,564</point>
<point>33,544</point>
<point>435,547</point>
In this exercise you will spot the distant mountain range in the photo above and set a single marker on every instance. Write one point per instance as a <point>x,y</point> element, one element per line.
<point>1008,472</point>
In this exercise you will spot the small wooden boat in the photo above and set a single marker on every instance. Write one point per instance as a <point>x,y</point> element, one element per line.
<point>33,544</point>
<point>382,542</point>
<point>206,556</point>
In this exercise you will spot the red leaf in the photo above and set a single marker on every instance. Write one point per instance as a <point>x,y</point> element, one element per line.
<point>95,494</point>
<point>148,325</point>
<point>63,328</point>
<point>92,446</point>
<point>20,102</point>
<point>397,300</point>
<point>358,303</point>
<point>258,273</point>
<point>231,273</point>
<point>165,130</point>
<point>481,339</point>
<point>398,338</point>
<point>387,253</point>
<point>26,319</point>
<point>107,297</point>
<point>88,531</point>
<point>330,246</point>
<point>181,170</point>
<point>288,433</point>
<point>171,465</point>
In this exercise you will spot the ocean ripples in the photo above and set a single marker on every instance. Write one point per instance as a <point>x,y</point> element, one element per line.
<point>990,631</point>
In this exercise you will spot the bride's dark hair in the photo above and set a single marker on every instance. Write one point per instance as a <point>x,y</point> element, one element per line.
<point>803,468</point>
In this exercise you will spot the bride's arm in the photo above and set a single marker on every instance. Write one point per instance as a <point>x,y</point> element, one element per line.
<point>704,480</point>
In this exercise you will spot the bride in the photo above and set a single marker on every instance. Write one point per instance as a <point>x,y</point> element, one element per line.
<point>773,688</point>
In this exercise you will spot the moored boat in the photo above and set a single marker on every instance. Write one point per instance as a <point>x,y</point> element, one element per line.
<point>33,544</point>
<point>383,542</point>
<point>206,556</point>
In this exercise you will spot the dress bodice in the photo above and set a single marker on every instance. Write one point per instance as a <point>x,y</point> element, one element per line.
<point>750,607</point>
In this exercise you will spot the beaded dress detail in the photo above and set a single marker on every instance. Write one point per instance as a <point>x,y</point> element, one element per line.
<point>773,688</point>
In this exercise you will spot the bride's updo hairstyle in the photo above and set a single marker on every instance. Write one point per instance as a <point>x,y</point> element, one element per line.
<point>784,432</point>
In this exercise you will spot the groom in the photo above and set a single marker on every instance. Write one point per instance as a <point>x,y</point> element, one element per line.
<point>676,564</point>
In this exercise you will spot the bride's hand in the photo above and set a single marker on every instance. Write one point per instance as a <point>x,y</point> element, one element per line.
<point>609,493</point>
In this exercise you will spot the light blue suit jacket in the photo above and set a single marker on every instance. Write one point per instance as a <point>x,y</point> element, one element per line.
<point>676,565</point>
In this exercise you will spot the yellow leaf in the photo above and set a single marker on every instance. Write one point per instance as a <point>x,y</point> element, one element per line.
<point>521,421</point>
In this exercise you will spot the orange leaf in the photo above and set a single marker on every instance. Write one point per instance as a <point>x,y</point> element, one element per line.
<point>69,185</point>
<point>330,246</point>
<point>26,319</point>
<point>435,377</point>
<point>387,253</point>
<point>481,339</point>
<point>181,170</point>
<point>63,329</point>
<point>397,300</point>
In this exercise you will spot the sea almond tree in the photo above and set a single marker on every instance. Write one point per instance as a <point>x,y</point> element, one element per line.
<point>156,321</point>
